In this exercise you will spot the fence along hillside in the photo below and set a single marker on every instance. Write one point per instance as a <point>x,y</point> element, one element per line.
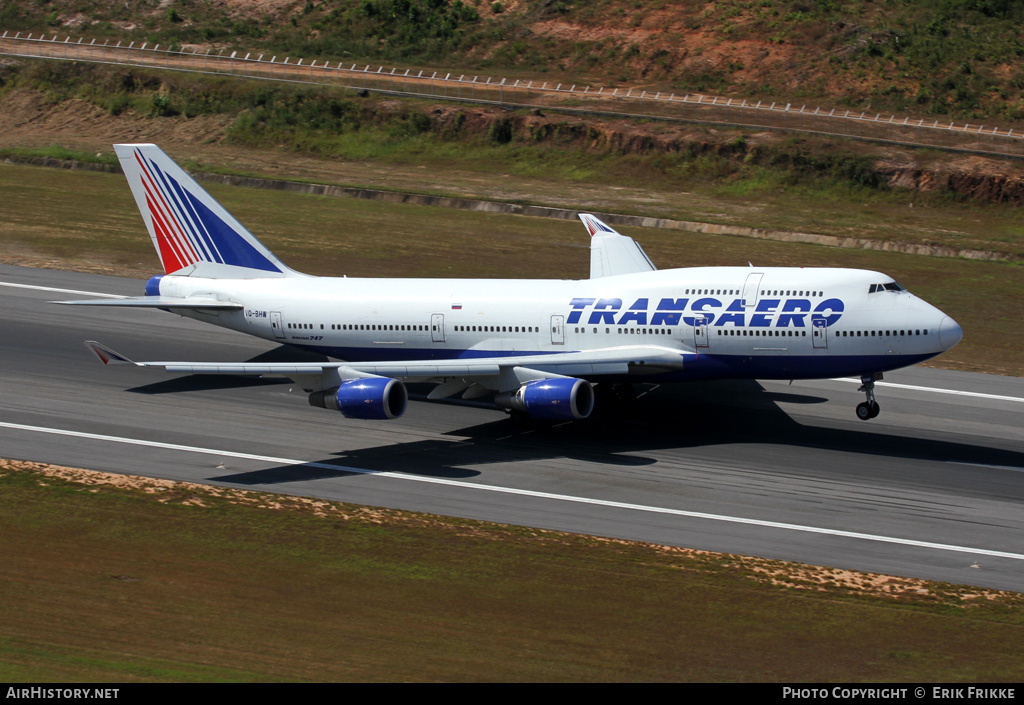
<point>504,92</point>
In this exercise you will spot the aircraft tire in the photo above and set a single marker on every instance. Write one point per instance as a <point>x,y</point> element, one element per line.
<point>865,412</point>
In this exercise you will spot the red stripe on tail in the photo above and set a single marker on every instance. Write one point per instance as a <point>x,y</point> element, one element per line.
<point>180,238</point>
<point>172,262</point>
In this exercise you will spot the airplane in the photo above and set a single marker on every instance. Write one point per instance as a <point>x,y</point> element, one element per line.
<point>540,348</point>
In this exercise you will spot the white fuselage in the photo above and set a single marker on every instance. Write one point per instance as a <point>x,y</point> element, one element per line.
<point>783,323</point>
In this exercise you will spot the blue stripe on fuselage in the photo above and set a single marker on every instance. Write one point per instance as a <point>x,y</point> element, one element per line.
<point>696,367</point>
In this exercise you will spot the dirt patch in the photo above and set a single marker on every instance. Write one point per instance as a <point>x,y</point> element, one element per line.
<point>30,120</point>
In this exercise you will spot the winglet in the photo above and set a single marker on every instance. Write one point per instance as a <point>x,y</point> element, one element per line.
<point>596,226</point>
<point>106,355</point>
<point>613,253</point>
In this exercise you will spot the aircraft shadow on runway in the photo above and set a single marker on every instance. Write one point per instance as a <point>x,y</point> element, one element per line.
<point>202,383</point>
<point>205,383</point>
<point>699,415</point>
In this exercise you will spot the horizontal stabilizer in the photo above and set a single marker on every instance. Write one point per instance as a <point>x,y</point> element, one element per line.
<point>612,253</point>
<point>164,302</point>
<point>106,355</point>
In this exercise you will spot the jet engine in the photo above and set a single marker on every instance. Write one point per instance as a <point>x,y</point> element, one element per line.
<point>366,398</point>
<point>559,399</point>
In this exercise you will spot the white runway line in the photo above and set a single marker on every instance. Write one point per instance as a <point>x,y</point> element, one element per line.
<point>915,388</point>
<point>62,291</point>
<point>983,465</point>
<point>524,493</point>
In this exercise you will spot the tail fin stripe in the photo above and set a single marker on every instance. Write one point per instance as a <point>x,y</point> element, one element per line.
<point>185,245</point>
<point>173,243</point>
<point>190,224</point>
<point>208,245</point>
<point>171,261</point>
<point>158,213</point>
<point>232,248</point>
<point>595,225</point>
<point>157,207</point>
<point>173,211</point>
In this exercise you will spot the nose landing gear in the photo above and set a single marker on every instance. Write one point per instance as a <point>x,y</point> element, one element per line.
<point>868,409</point>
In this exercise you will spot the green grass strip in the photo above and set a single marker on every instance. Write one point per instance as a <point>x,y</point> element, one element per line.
<point>113,579</point>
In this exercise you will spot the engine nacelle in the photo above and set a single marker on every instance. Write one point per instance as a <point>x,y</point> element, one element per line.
<point>561,399</point>
<point>367,398</point>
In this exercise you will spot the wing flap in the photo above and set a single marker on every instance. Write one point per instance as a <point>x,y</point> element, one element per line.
<point>244,368</point>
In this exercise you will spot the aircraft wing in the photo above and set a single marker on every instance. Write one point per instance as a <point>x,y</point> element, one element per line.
<point>475,376</point>
<point>612,253</point>
<point>162,302</point>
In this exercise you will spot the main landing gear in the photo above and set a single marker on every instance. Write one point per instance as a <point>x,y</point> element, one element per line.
<point>868,409</point>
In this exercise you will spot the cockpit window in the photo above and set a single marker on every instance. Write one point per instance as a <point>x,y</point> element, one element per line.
<point>889,286</point>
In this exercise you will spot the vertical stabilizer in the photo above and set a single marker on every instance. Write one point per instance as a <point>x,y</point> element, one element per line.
<point>188,227</point>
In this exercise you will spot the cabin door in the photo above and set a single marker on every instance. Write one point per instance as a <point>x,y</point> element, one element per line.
<point>558,330</point>
<point>277,324</point>
<point>700,332</point>
<point>819,333</point>
<point>437,327</point>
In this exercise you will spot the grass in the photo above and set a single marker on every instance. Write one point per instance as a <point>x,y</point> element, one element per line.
<point>56,151</point>
<point>690,173</point>
<point>171,581</point>
<point>77,219</point>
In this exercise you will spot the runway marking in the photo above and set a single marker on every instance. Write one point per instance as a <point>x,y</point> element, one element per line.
<point>520,492</point>
<point>62,291</point>
<point>983,465</point>
<point>915,388</point>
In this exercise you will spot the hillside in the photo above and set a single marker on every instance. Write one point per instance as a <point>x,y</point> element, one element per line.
<point>668,168</point>
<point>44,104</point>
<point>957,58</point>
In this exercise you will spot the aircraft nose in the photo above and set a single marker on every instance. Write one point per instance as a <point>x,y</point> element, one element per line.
<point>950,333</point>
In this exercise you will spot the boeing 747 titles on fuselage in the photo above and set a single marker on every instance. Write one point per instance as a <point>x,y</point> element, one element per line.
<point>538,347</point>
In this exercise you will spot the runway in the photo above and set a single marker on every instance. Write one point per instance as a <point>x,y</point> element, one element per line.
<point>932,488</point>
